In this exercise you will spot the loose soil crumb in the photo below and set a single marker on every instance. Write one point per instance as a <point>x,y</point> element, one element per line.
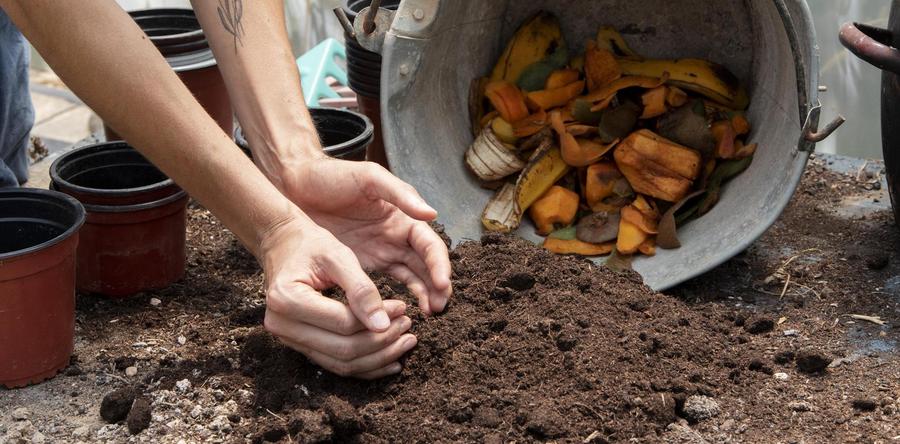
<point>532,348</point>
<point>139,417</point>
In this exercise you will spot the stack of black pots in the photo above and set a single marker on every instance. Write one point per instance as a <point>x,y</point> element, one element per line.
<point>364,74</point>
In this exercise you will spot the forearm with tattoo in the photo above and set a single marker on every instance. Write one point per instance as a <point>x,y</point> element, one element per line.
<point>231,12</point>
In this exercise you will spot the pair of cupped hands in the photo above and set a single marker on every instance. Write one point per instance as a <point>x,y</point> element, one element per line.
<point>363,218</point>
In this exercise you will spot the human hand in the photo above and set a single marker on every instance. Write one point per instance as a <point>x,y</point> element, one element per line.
<point>378,216</point>
<point>363,340</point>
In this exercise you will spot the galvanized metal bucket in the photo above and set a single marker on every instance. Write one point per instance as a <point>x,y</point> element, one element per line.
<point>434,48</point>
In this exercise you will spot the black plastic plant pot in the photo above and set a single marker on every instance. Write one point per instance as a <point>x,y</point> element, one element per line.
<point>344,134</point>
<point>38,238</point>
<point>111,173</point>
<point>172,31</point>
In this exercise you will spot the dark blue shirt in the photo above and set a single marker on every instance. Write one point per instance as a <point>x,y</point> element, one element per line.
<point>16,112</point>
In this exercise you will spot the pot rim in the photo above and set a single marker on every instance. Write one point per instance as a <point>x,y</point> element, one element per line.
<point>63,184</point>
<point>343,148</point>
<point>134,208</point>
<point>363,139</point>
<point>169,39</point>
<point>46,196</point>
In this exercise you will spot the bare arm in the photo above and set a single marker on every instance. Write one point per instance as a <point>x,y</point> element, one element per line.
<point>377,215</point>
<point>102,55</point>
<point>251,45</point>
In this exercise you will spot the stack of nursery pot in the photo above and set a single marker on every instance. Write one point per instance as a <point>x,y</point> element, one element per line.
<point>364,76</point>
<point>38,236</point>
<point>344,134</point>
<point>134,237</point>
<point>178,36</point>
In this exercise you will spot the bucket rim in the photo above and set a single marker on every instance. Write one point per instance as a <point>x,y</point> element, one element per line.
<point>46,196</point>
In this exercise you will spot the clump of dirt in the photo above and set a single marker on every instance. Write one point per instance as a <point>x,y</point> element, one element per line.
<point>116,404</point>
<point>140,415</point>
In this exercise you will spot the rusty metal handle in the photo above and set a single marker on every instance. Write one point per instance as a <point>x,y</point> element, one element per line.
<point>871,44</point>
<point>369,23</point>
<point>345,22</point>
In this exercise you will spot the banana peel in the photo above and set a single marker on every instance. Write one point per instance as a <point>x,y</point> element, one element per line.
<point>535,76</point>
<point>554,98</point>
<point>606,93</point>
<point>708,79</point>
<point>611,40</point>
<point>565,241</point>
<point>489,159</point>
<point>507,99</point>
<point>504,131</point>
<point>502,215</point>
<point>600,67</point>
<point>657,167</point>
<point>537,39</point>
<point>544,169</point>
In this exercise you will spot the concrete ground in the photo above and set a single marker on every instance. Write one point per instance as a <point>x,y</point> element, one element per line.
<point>61,120</point>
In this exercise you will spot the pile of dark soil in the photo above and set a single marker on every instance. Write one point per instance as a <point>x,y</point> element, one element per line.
<point>534,346</point>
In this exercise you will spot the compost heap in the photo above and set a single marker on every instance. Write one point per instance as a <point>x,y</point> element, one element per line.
<point>533,346</point>
<point>605,150</point>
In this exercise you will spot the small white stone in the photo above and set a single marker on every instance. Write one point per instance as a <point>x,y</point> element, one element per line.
<point>154,302</point>
<point>182,340</point>
<point>131,371</point>
<point>182,386</point>
<point>782,376</point>
<point>220,424</point>
<point>196,411</point>
<point>82,432</point>
<point>139,345</point>
<point>20,414</point>
<point>38,438</point>
<point>791,332</point>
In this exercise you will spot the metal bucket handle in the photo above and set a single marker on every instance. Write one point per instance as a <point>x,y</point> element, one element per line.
<point>871,44</point>
<point>809,112</point>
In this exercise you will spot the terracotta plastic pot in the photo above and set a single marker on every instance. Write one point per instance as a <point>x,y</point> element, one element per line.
<point>133,248</point>
<point>38,237</point>
<point>344,134</point>
<point>134,238</point>
<point>178,36</point>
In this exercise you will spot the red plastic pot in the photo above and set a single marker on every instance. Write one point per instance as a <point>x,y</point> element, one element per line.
<point>134,237</point>
<point>38,237</point>
<point>132,248</point>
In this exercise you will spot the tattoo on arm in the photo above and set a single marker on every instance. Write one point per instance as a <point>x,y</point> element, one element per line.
<point>230,14</point>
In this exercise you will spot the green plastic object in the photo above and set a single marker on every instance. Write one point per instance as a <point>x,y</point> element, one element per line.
<point>316,66</point>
